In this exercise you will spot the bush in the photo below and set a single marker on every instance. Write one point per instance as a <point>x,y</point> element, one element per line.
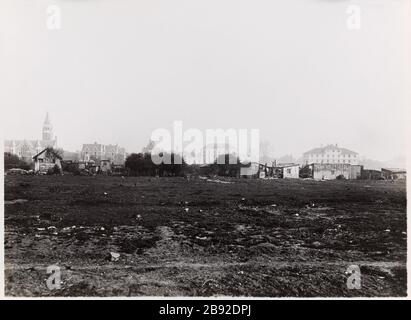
<point>223,167</point>
<point>12,161</point>
<point>70,167</point>
<point>54,170</point>
<point>139,164</point>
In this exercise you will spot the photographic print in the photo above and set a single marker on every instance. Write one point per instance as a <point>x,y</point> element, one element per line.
<point>231,148</point>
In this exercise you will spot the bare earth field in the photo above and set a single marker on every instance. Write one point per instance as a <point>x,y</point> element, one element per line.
<point>266,238</point>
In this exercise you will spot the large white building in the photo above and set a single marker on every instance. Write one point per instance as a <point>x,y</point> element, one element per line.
<point>331,154</point>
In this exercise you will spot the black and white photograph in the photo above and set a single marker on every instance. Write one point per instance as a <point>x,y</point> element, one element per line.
<point>211,149</point>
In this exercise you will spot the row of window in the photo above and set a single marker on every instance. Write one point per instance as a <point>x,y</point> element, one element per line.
<point>332,160</point>
<point>344,155</point>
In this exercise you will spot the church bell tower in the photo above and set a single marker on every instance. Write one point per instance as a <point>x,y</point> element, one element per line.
<point>47,129</point>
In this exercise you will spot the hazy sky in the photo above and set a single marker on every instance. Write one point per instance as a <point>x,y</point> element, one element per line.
<point>118,69</point>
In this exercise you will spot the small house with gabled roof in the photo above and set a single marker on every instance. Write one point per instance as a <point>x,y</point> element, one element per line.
<point>45,160</point>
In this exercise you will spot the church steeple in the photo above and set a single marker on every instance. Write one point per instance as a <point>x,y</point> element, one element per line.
<point>47,129</point>
<point>47,120</point>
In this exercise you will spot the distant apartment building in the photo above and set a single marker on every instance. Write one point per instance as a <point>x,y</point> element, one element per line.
<point>97,152</point>
<point>331,154</point>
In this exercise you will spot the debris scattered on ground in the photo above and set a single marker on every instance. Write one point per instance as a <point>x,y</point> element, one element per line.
<point>17,201</point>
<point>317,244</point>
<point>261,234</point>
<point>114,256</point>
<point>219,181</point>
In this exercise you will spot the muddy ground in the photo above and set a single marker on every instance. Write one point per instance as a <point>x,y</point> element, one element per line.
<point>264,238</point>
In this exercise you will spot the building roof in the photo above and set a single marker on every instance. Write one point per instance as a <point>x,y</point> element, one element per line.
<point>285,165</point>
<point>330,147</point>
<point>56,155</point>
<point>41,152</point>
<point>30,143</point>
<point>394,170</point>
<point>279,165</point>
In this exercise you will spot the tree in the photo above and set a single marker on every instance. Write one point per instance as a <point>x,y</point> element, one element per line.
<point>54,154</point>
<point>71,167</point>
<point>141,164</point>
<point>227,165</point>
<point>13,161</point>
<point>54,170</point>
<point>149,147</point>
<point>175,168</point>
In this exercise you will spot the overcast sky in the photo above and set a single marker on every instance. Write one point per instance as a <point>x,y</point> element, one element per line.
<point>118,69</point>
